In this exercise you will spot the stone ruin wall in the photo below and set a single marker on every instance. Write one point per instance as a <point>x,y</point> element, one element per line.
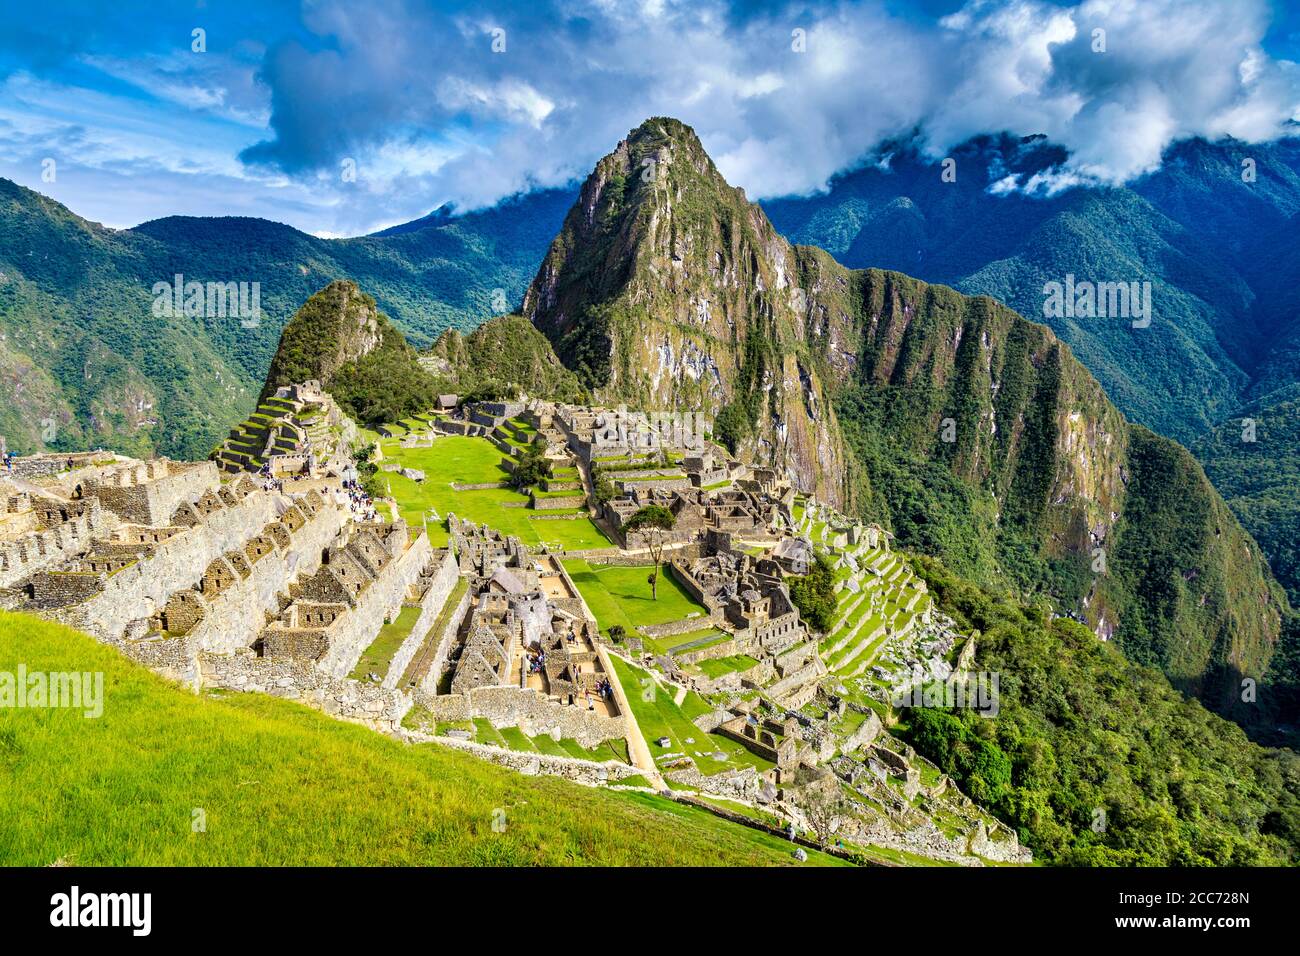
<point>293,679</point>
<point>351,633</point>
<point>233,618</point>
<point>142,589</point>
<point>433,676</point>
<point>527,709</point>
<point>39,550</point>
<point>431,604</point>
<point>150,492</point>
<point>586,772</point>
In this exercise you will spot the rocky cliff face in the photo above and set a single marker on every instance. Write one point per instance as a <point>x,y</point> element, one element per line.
<point>1061,491</point>
<point>666,289</point>
<point>971,431</point>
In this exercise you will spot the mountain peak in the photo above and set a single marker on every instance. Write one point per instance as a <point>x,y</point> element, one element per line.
<point>667,289</point>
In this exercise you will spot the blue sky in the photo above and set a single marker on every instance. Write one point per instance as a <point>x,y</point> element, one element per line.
<point>344,117</point>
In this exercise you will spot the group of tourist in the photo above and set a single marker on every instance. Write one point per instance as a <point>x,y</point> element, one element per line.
<point>360,503</point>
<point>604,689</point>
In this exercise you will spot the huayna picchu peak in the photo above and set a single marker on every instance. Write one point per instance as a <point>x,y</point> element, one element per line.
<point>667,289</point>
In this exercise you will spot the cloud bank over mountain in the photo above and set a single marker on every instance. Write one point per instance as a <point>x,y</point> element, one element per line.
<point>357,116</point>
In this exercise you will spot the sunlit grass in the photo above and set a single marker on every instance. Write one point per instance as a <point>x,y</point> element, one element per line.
<point>275,783</point>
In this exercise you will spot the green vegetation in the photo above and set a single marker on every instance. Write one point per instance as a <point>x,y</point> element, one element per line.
<point>340,338</point>
<point>500,357</point>
<point>718,666</point>
<point>282,785</point>
<point>814,594</point>
<point>1254,462</point>
<point>617,595</point>
<point>379,655</point>
<point>1082,732</point>
<point>529,469</point>
<point>513,738</point>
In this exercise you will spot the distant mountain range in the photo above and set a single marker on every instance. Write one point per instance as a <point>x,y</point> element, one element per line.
<point>85,358</point>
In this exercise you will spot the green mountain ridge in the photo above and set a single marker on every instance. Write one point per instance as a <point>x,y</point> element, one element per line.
<point>506,350</point>
<point>341,339</point>
<point>84,360</point>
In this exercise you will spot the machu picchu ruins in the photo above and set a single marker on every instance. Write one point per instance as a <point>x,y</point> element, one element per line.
<point>505,619</point>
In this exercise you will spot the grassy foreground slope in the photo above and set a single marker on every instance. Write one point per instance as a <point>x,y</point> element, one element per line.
<point>280,784</point>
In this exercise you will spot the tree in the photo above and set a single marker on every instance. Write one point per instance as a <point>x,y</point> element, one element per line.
<point>531,468</point>
<point>654,523</point>
<point>823,808</point>
<point>602,487</point>
<point>814,594</point>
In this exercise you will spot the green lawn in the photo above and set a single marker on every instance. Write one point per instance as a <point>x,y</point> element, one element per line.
<point>621,595</point>
<point>379,655</point>
<point>718,666</point>
<point>454,459</point>
<point>275,783</point>
<point>661,717</point>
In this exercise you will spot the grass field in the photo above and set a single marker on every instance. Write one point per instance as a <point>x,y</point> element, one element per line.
<point>661,717</point>
<point>454,459</point>
<point>276,783</point>
<point>621,595</point>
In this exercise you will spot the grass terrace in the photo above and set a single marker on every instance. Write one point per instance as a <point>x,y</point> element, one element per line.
<point>378,657</point>
<point>719,666</point>
<point>457,460</point>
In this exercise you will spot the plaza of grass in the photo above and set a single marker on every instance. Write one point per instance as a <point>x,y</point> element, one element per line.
<point>454,460</point>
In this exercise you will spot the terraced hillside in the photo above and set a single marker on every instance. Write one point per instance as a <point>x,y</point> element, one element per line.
<point>291,424</point>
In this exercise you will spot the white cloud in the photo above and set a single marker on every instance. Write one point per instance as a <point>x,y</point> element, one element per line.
<point>416,97</point>
<point>779,121</point>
